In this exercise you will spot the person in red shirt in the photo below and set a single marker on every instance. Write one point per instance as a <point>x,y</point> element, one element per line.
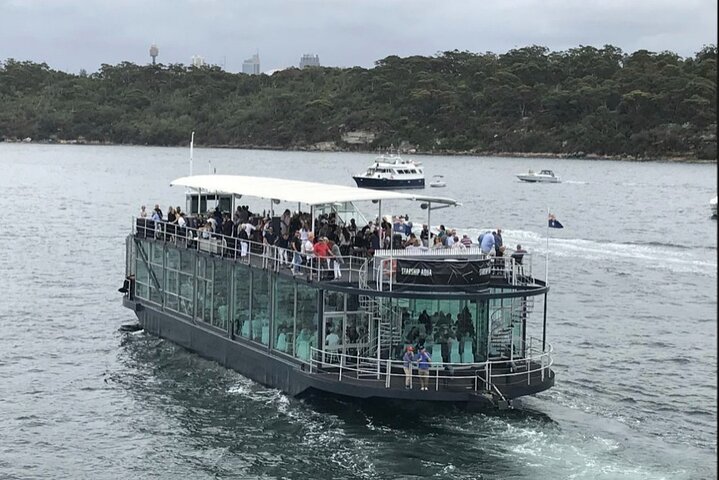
<point>321,251</point>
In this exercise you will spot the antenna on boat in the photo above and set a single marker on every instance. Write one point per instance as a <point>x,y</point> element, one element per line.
<point>192,143</point>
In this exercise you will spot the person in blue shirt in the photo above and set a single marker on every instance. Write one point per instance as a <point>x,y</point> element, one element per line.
<point>487,243</point>
<point>407,366</point>
<point>423,362</point>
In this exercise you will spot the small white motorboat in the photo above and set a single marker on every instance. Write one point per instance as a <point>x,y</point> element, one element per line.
<point>713,206</point>
<point>544,176</point>
<point>438,181</point>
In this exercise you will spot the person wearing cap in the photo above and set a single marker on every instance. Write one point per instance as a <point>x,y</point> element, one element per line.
<point>407,366</point>
<point>423,362</point>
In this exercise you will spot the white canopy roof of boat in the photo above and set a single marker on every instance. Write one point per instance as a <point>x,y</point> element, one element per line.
<point>309,193</point>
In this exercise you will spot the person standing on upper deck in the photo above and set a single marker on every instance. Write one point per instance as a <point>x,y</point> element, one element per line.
<point>407,226</point>
<point>466,241</point>
<point>337,261</point>
<point>424,235</point>
<point>308,250</point>
<point>448,239</point>
<point>487,244</point>
<point>143,212</point>
<point>498,250</point>
<point>296,247</point>
<point>285,222</point>
<point>322,253</point>
<point>518,254</point>
<point>374,240</point>
<point>157,214</point>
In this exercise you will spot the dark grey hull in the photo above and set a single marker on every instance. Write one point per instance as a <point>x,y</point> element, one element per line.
<point>292,376</point>
<point>390,184</point>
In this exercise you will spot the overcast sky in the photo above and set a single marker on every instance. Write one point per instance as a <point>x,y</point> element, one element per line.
<point>74,34</point>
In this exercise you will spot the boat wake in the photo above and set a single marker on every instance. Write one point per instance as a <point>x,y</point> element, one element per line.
<point>675,258</point>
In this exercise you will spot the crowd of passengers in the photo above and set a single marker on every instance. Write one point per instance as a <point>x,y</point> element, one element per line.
<point>330,241</point>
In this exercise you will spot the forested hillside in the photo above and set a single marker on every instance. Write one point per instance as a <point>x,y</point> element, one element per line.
<point>581,101</point>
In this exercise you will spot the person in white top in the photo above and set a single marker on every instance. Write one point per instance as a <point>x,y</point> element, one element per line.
<point>450,240</point>
<point>333,342</point>
<point>143,212</point>
<point>308,249</point>
<point>181,220</point>
<point>456,244</point>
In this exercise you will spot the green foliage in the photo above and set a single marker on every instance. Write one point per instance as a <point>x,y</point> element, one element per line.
<point>586,99</point>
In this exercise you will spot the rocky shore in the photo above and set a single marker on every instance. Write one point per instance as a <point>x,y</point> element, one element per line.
<point>405,150</point>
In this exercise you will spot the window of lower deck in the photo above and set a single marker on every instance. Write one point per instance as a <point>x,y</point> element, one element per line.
<point>220,295</point>
<point>241,298</point>
<point>260,311</point>
<point>451,330</point>
<point>307,321</point>
<point>283,335</point>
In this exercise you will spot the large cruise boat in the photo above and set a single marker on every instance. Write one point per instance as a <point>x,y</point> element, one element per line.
<point>391,172</point>
<point>305,325</point>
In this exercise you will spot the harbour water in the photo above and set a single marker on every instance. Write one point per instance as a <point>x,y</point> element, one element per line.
<point>632,315</point>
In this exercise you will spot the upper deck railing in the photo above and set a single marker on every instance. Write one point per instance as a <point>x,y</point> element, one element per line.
<point>374,272</point>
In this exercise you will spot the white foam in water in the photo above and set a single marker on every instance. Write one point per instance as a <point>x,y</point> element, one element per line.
<point>675,259</point>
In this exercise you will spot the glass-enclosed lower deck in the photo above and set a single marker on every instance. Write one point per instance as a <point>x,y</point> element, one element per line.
<point>344,335</point>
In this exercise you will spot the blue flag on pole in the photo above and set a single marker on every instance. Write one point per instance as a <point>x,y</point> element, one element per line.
<point>553,222</point>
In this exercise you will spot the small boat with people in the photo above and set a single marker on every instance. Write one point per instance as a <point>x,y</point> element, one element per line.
<point>391,171</point>
<point>544,176</point>
<point>270,296</point>
<point>438,182</point>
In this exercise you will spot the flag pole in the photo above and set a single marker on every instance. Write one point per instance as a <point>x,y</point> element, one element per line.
<point>546,256</point>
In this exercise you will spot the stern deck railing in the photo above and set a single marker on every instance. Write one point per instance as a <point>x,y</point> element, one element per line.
<point>480,377</point>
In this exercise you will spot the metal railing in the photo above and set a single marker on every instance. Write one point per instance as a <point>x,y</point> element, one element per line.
<point>251,252</point>
<point>383,265</point>
<point>354,268</point>
<point>478,377</point>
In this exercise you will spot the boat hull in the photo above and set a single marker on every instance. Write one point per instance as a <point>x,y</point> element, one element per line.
<point>293,377</point>
<point>537,179</point>
<point>391,184</point>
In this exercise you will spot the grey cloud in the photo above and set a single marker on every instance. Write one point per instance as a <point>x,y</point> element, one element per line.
<point>74,34</point>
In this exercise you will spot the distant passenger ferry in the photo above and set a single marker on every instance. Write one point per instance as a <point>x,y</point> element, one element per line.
<point>391,172</point>
<point>273,315</point>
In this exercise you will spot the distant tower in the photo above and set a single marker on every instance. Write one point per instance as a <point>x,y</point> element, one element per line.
<point>309,60</point>
<point>153,52</point>
<point>251,66</point>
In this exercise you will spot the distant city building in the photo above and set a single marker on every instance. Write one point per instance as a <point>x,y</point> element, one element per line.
<point>198,61</point>
<point>309,60</point>
<point>251,66</point>
<point>153,52</point>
